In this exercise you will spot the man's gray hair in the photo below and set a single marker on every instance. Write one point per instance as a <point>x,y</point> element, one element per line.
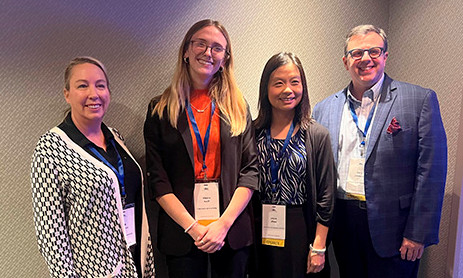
<point>363,30</point>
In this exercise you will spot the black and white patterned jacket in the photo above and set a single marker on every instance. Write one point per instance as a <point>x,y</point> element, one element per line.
<point>78,212</point>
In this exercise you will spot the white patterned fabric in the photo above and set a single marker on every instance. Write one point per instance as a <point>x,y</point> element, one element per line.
<point>291,188</point>
<point>78,213</point>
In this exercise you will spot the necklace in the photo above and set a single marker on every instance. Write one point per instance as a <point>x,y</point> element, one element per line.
<point>200,110</point>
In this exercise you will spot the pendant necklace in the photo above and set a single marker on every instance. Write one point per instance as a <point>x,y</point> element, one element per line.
<point>200,110</point>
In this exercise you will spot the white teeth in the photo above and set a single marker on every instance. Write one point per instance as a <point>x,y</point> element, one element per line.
<point>94,106</point>
<point>205,62</point>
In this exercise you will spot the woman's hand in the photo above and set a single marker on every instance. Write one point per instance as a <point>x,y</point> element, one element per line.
<point>213,239</point>
<point>197,231</point>
<point>315,262</point>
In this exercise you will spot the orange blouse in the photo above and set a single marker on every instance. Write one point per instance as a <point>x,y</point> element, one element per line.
<point>201,106</point>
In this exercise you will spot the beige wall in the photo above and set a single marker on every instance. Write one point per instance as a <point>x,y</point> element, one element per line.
<point>426,40</point>
<point>138,43</point>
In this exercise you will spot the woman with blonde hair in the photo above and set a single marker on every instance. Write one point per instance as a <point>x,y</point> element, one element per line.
<point>87,188</point>
<point>201,160</point>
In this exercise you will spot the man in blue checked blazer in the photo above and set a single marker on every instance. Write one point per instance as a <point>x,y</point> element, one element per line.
<point>390,149</point>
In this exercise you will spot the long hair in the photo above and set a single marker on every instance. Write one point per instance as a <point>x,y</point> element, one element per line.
<point>222,89</point>
<point>303,110</point>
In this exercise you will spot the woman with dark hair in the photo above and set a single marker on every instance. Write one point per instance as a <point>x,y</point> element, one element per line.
<point>202,161</point>
<point>297,175</point>
<point>87,188</point>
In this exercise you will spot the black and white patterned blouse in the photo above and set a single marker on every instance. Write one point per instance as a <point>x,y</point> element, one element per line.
<point>78,212</point>
<point>291,186</point>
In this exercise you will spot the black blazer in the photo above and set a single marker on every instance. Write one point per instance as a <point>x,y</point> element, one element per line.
<point>170,169</point>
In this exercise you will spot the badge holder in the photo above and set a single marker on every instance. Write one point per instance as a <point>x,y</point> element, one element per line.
<point>273,225</point>
<point>129,224</point>
<point>206,202</point>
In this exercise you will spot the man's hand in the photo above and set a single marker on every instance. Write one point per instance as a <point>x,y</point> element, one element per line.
<point>411,250</point>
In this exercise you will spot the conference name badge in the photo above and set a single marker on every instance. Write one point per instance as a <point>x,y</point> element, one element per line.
<point>355,178</point>
<point>129,224</point>
<point>206,202</point>
<point>273,225</point>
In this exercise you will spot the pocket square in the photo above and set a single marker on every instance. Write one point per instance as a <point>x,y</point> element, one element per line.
<point>393,127</point>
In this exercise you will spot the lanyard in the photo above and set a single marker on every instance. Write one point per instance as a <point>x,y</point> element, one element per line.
<point>367,124</point>
<point>202,146</point>
<point>120,168</point>
<point>275,166</point>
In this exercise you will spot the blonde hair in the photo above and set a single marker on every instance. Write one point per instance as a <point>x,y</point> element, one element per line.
<point>82,60</point>
<point>222,89</point>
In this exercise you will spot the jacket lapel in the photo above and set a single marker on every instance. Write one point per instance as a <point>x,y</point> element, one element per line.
<point>225,144</point>
<point>184,129</point>
<point>387,98</point>
<point>335,120</point>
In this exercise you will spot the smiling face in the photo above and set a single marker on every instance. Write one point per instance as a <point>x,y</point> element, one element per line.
<point>88,94</point>
<point>204,64</point>
<point>285,89</point>
<point>366,71</point>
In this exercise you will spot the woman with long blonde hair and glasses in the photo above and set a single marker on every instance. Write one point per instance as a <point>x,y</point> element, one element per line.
<point>201,160</point>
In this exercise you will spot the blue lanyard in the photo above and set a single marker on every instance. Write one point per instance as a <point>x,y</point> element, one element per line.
<point>367,124</point>
<point>202,146</point>
<point>120,168</point>
<point>275,165</point>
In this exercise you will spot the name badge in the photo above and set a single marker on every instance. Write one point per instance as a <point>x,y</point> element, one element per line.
<point>355,186</point>
<point>129,224</point>
<point>206,202</point>
<point>273,225</point>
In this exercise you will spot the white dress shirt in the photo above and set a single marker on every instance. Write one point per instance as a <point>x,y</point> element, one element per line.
<point>350,137</point>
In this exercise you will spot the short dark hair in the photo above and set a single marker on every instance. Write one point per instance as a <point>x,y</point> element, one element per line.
<point>303,110</point>
<point>363,30</point>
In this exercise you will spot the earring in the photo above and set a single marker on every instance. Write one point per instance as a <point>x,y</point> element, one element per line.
<point>221,69</point>
<point>186,60</point>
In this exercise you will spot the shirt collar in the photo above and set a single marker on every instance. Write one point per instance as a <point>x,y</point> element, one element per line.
<point>376,90</point>
<point>74,133</point>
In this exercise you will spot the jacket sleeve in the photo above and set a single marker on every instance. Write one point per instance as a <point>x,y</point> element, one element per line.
<point>249,172</point>
<point>424,218</point>
<point>49,212</point>
<point>157,178</point>
<point>325,171</point>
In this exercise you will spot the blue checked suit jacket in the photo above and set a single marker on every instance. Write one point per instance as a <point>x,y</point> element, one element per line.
<point>405,172</point>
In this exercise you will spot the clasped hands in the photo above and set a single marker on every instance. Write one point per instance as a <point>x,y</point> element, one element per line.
<point>209,238</point>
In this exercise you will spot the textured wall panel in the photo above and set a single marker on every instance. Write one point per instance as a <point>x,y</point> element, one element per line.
<point>138,42</point>
<point>426,39</point>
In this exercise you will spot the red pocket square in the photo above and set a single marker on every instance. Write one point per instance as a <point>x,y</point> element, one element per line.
<point>393,127</point>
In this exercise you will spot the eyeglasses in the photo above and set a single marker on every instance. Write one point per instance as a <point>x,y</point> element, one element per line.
<point>216,49</point>
<point>358,53</point>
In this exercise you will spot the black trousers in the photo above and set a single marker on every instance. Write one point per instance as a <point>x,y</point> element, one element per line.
<point>354,250</point>
<point>226,263</point>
